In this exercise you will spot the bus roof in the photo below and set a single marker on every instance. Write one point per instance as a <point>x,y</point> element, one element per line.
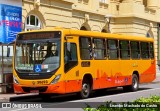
<point>108,35</point>
<point>73,32</point>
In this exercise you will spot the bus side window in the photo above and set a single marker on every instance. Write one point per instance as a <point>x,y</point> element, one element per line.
<point>85,48</point>
<point>124,49</point>
<point>99,49</point>
<point>151,50</point>
<point>112,49</point>
<point>145,50</point>
<point>135,50</point>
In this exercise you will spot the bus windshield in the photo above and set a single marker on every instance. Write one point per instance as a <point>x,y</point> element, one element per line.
<point>39,55</point>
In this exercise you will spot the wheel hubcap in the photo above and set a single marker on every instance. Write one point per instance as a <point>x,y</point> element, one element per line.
<point>85,89</point>
<point>135,84</point>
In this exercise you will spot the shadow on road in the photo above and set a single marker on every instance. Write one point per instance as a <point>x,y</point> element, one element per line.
<point>69,97</point>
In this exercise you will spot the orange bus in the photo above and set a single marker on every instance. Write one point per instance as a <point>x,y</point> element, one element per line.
<point>61,61</point>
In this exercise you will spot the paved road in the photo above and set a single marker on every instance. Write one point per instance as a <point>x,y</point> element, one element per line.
<point>70,101</point>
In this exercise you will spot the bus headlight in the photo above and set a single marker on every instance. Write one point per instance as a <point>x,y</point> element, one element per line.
<point>15,80</point>
<point>55,80</point>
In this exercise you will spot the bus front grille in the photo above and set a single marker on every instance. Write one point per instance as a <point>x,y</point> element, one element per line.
<point>28,77</point>
<point>33,76</point>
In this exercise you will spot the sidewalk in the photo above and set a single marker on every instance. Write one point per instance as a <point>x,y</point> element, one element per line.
<point>157,78</point>
<point>6,97</point>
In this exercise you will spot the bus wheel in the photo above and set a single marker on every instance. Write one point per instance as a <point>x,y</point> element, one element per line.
<point>134,86</point>
<point>135,83</point>
<point>86,89</point>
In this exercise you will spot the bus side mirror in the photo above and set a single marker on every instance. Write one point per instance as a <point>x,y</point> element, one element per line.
<point>8,51</point>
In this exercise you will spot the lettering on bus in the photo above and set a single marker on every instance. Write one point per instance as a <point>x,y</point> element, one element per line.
<point>42,82</point>
<point>38,36</point>
<point>119,81</point>
<point>85,64</point>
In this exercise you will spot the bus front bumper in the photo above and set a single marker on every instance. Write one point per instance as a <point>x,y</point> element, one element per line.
<point>55,88</point>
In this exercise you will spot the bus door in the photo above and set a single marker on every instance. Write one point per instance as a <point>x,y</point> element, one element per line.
<point>71,69</point>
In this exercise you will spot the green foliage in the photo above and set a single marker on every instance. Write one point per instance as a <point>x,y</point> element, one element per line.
<point>150,99</point>
<point>142,104</point>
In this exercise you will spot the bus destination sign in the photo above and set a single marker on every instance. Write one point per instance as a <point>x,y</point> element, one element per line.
<point>39,35</point>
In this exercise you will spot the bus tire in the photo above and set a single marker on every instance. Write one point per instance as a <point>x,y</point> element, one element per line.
<point>135,83</point>
<point>86,89</point>
<point>134,86</point>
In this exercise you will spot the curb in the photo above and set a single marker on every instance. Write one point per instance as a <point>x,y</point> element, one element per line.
<point>8,97</point>
<point>4,99</point>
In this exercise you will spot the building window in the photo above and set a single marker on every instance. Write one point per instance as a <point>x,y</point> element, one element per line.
<point>83,1</point>
<point>145,3</point>
<point>32,23</point>
<point>103,3</point>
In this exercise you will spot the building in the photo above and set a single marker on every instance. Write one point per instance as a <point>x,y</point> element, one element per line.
<point>133,17</point>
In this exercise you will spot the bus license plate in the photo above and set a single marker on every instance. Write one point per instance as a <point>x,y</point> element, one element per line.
<point>34,91</point>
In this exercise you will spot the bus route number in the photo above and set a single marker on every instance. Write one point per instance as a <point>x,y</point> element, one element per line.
<point>42,82</point>
<point>85,64</point>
